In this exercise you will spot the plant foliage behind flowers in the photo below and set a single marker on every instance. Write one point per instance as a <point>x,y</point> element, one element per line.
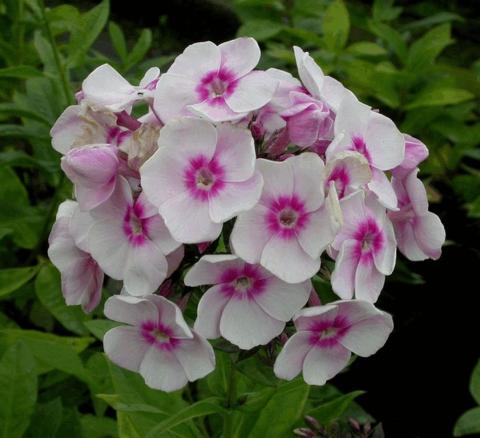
<point>215,205</point>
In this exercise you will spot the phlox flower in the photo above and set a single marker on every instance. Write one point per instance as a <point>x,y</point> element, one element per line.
<point>81,276</point>
<point>420,233</point>
<point>216,82</point>
<point>200,177</point>
<point>327,335</point>
<point>94,171</point>
<point>78,126</point>
<point>415,153</point>
<point>107,90</point>
<point>129,240</point>
<point>291,225</point>
<point>247,305</point>
<point>358,128</point>
<point>367,249</point>
<point>156,342</point>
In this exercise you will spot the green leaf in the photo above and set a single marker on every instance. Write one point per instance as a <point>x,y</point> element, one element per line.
<point>18,383</point>
<point>51,351</point>
<point>260,29</point>
<point>336,26</point>
<point>289,399</point>
<point>99,380</point>
<point>118,40</point>
<point>98,427</point>
<point>20,72</point>
<point>333,409</point>
<point>14,110</point>
<point>98,327</point>
<point>49,292</point>
<point>475,383</point>
<point>46,420</point>
<point>198,409</point>
<point>14,278</point>
<point>391,36</point>
<point>383,10</point>
<point>140,49</point>
<point>468,423</point>
<point>366,48</point>
<point>84,35</point>
<point>45,52</point>
<point>425,50</point>
<point>439,97</point>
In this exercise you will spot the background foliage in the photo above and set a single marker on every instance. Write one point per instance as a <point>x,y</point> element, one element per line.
<point>419,62</point>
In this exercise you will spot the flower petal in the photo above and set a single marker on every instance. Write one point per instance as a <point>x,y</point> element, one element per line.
<point>343,276</point>
<point>430,235</point>
<point>240,56</point>
<point>289,362</point>
<point>209,312</point>
<point>308,176</point>
<point>321,364</point>
<point>368,281</point>
<point>196,357</point>
<point>130,310</point>
<point>125,347</point>
<point>209,269</point>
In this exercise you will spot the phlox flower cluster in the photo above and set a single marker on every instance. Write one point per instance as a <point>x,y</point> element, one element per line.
<point>235,185</point>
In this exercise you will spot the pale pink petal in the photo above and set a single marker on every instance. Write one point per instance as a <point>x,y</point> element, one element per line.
<point>308,176</point>
<point>171,315</point>
<point>216,110</point>
<point>145,269</point>
<point>407,243</point>
<point>289,362</point>
<point>355,165</point>
<point>235,198</point>
<point>416,193</point>
<point>125,347</point>
<point>235,153</point>
<point>162,370</point>
<point>385,142</point>
<point>67,128</point>
<point>382,187</point>
<point>172,96</point>
<point>196,60</point>
<point>250,234</point>
<point>321,364</point>
<point>246,325</point>
<point>368,281</point>
<point>277,179</point>
<point>240,56</point>
<point>430,235</point>
<point>352,118</point>
<point>209,269</point>
<point>310,73</point>
<point>160,236</point>
<point>188,219</point>
<point>150,75</point>
<point>385,258</point>
<point>310,315</point>
<point>415,152</point>
<point>79,227</point>
<point>209,312</point>
<point>353,213</point>
<point>252,92</point>
<point>114,209</point>
<point>333,93</point>
<point>282,300</point>
<point>343,276</point>
<point>318,233</point>
<point>130,310</point>
<point>174,259</point>
<point>196,357</point>
<point>295,268</point>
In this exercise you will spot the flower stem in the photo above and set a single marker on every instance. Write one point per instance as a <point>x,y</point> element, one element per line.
<point>230,402</point>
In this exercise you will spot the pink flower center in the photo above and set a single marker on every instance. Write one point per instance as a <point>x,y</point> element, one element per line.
<point>158,335</point>
<point>135,226</point>
<point>328,333</point>
<point>340,178</point>
<point>359,145</point>
<point>216,84</point>
<point>203,178</point>
<point>286,216</point>
<point>370,238</point>
<point>243,283</point>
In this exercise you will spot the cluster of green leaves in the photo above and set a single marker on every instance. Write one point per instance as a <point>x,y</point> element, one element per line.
<point>54,378</point>
<point>469,422</point>
<point>413,70</point>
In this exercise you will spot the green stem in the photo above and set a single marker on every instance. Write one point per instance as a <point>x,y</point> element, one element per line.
<point>231,399</point>
<point>56,55</point>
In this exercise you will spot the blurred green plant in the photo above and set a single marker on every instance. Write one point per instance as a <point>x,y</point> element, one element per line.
<point>469,422</point>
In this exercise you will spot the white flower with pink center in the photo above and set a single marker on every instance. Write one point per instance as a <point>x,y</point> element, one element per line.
<point>200,177</point>
<point>94,170</point>
<point>247,305</point>
<point>291,225</point>
<point>129,240</point>
<point>81,277</point>
<point>358,128</point>
<point>347,171</point>
<point>78,126</point>
<point>367,249</point>
<point>216,82</point>
<point>106,89</point>
<point>157,342</point>
<point>420,233</point>
<point>327,335</point>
